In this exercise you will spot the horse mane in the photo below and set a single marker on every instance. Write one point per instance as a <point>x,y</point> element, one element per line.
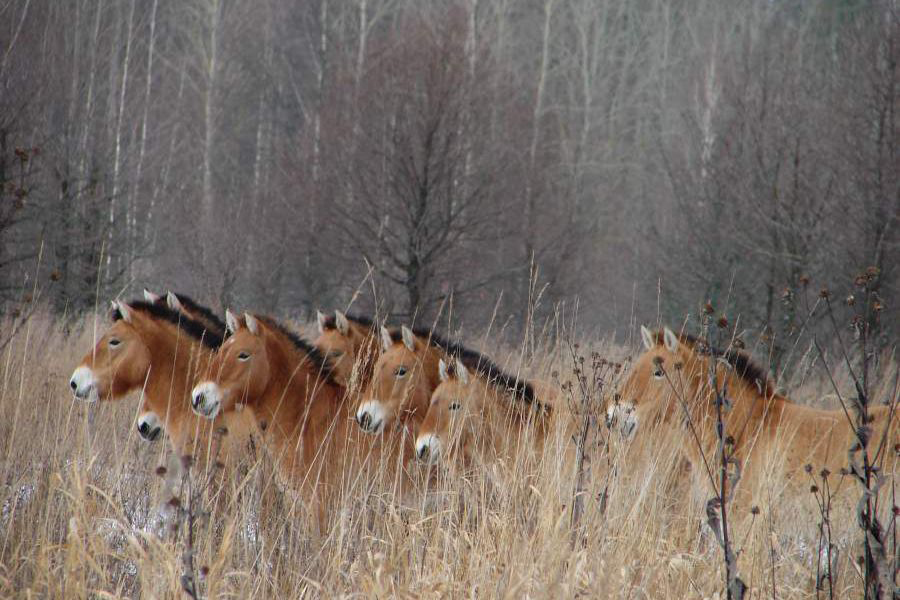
<point>367,322</point>
<point>322,364</point>
<point>743,364</point>
<point>478,362</point>
<point>208,315</point>
<point>195,329</point>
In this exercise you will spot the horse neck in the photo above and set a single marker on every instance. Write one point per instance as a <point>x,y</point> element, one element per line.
<point>296,393</point>
<point>174,362</point>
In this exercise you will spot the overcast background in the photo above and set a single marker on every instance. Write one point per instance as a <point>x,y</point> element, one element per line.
<point>637,157</point>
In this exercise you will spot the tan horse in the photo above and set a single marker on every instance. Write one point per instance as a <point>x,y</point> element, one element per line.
<point>351,344</point>
<point>403,379</point>
<point>149,423</point>
<point>287,387</point>
<point>669,383</point>
<point>481,416</point>
<point>158,351</point>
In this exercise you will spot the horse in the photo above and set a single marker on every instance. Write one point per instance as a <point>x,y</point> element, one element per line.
<point>152,348</point>
<point>403,379</point>
<point>289,389</point>
<point>350,343</point>
<point>149,423</point>
<point>482,416</point>
<point>670,383</point>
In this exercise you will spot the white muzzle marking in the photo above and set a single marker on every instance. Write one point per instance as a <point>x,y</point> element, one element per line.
<point>206,399</point>
<point>84,384</point>
<point>622,418</point>
<point>149,426</point>
<point>428,448</point>
<point>371,416</point>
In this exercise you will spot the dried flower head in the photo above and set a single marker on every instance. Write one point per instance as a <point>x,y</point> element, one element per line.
<point>722,322</point>
<point>851,300</point>
<point>804,280</point>
<point>807,468</point>
<point>161,471</point>
<point>708,308</point>
<point>824,293</point>
<point>754,510</point>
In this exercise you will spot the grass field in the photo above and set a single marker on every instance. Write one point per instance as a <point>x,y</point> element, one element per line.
<point>84,514</point>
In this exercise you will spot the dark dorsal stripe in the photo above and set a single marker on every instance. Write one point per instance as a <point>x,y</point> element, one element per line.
<point>742,363</point>
<point>360,320</point>
<point>205,312</point>
<point>477,362</point>
<point>161,312</point>
<point>319,361</point>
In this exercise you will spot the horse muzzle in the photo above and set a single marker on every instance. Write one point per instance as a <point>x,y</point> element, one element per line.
<point>206,399</point>
<point>371,417</point>
<point>428,448</point>
<point>84,385</point>
<point>149,427</point>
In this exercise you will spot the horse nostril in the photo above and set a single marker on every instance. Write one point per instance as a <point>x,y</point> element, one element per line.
<point>365,420</point>
<point>423,452</point>
<point>195,399</point>
<point>142,428</point>
<point>73,385</point>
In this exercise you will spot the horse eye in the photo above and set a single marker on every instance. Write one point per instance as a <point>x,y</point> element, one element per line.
<point>243,356</point>
<point>400,371</point>
<point>114,342</point>
<point>453,406</point>
<point>336,354</point>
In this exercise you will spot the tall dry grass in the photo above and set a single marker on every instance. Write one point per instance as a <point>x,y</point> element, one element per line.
<point>84,514</point>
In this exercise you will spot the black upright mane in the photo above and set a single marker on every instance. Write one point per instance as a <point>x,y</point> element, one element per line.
<point>197,330</point>
<point>319,361</point>
<point>742,363</point>
<point>330,323</point>
<point>208,315</point>
<point>478,362</point>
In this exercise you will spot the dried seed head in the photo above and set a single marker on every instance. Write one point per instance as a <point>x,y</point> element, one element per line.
<point>824,293</point>
<point>187,461</point>
<point>824,473</point>
<point>204,571</point>
<point>161,471</point>
<point>804,280</point>
<point>851,300</point>
<point>872,272</point>
<point>877,306</point>
<point>754,510</point>
<point>860,280</point>
<point>174,502</point>
<point>722,322</point>
<point>896,510</point>
<point>807,468</point>
<point>814,489</point>
<point>708,308</point>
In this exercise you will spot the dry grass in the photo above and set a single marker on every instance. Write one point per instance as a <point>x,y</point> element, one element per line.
<point>81,516</point>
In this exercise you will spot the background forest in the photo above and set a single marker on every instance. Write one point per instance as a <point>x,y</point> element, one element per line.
<point>637,157</point>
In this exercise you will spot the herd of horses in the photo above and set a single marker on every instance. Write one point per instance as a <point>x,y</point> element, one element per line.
<point>364,397</point>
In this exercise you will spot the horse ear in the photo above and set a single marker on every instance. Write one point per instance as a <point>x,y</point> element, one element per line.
<point>648,338</point>
<point>341,322</point>
<point>386,339</point>
<point>173,302</point>
<point>150,296</point>
<point>409,339</point>
<point>321,321</point>
<point>252,323</point>
<point>671,340</point>
<point>125,311</point>
<point>232,323</point>
<point>442,370</point>
<point>461,372</point>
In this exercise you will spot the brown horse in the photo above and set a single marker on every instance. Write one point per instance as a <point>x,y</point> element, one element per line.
<point>351,344</point>
<point>403,379</point>
<point>149,423</point>
<point>150,347</point>
<point>670,383</point>
<point>481,416</point>
<point>286,385</point>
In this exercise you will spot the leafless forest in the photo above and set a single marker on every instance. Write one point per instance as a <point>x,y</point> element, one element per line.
<point>635,157</point>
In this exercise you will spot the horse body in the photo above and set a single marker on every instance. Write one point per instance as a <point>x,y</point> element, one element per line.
<point>483,417</point>
<point>350,343</point>
<point>671,384</point>
<point>286,386</point>
<point>403,379</point>
<point>151,348</point>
